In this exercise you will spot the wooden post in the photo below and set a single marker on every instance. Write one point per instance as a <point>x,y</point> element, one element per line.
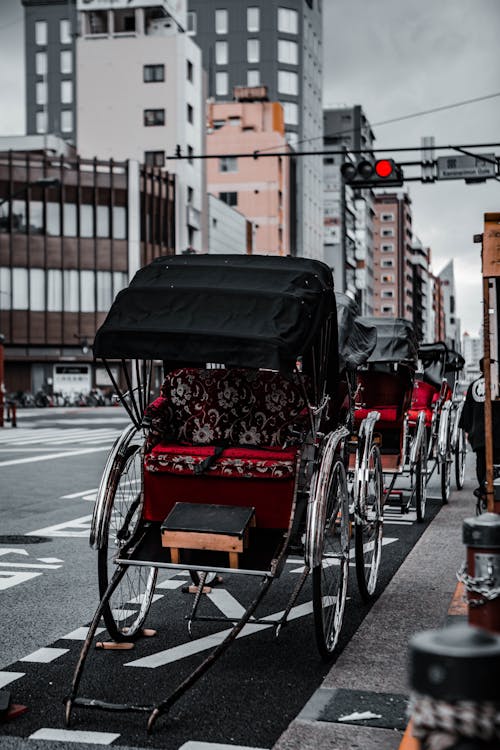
<point>488,419</point>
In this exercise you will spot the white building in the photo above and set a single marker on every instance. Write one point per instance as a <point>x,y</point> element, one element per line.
<point>141,96</point>
<point>452,322</point>
<point>472,350</point>
<point>228,230</point>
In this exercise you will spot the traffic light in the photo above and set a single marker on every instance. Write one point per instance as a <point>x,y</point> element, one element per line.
<point>379,174</point>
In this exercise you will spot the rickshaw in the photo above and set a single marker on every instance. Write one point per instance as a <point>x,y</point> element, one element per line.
<point>357,341</point>
<point>385,385</point>
<point>240,459</point>
<point>442,405</point>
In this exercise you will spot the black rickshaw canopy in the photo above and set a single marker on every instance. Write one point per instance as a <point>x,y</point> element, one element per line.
<point>397,341</point>
<point>240,311</point>
<point>357,339</point>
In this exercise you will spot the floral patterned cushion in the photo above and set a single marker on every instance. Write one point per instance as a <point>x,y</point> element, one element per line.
<point>233,407</point>
<point>239,463</point>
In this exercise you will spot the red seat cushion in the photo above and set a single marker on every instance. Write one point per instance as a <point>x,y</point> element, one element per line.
<point>389,415</point>
<point>413,416</point>
<point>423,395</point>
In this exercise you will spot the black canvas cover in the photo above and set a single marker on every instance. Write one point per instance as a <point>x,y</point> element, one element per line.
<point>396,340</point>
<point>238,310</point>
<point>357,340</point>
<point>438,360</point>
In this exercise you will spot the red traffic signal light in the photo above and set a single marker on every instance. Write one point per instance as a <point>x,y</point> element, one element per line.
<point>367,174</point>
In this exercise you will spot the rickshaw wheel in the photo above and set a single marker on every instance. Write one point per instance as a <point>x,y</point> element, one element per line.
<point>460,454</point>
<point>421,481</point>
<point>129,604</point>
<point>445,480</point>
<point>329,579</point>
<point>369,530</point>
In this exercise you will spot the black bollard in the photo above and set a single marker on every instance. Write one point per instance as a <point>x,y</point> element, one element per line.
<point>481,535</point>
<point>455,702</point>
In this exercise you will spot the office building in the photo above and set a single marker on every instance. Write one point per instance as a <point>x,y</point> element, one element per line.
<point>393,273</point>
<point>277,45</point>
<point>72,233</point>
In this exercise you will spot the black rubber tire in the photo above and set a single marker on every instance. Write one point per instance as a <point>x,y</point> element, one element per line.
<point>445,475</point>
<point>421,482</point>
<point>369,532</point>
<point>460,455</point>
<point>329,580</point>
<point>134,593</point>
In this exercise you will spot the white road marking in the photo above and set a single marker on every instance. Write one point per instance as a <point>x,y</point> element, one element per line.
<point>79,494</point>
<point>73,735</point>
<point>50,559</point>
<point>138,599</point>
<point>7,677</point>
<point>35,566</point>
<point>45,655</point>
<point>228,605</point>
<point>170,584</point>
<point>8,578</point>
<point>194,745</point>
<point>352,553</point>
<point>79,527</point>
<point>13,551</point>
<point>51,456</point>
<point>176,653</point>
<point>80,634</point>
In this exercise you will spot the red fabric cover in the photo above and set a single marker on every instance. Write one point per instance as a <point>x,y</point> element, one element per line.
<point>242,463</point>
<point>389,415</point>
<point>423,395</point>
<point>272,500</point>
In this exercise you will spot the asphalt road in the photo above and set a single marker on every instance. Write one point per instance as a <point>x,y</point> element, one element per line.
<point>50,467</point>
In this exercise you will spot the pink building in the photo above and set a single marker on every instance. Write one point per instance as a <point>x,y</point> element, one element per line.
<point>258,188</point>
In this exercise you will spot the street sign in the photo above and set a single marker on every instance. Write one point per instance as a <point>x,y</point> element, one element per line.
<point>466,167</point>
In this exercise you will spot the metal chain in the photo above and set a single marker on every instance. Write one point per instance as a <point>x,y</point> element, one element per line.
<point>481,586</point>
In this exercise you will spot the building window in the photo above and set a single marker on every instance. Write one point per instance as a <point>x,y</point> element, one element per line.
<point>221,55</point>
<point>288,21</point>
<point>387,232</point>
<point>387,217</point>
<point>253,78</point>
<point>66,92</point>
<point>388,248</point>
<point>190,114</point>
<point>230,198</point>
<point>291,112</point>
<point>97,22</point>
<point>253,50</point>
<point>387,293</point>
<point>66,61</point>
<point>65,31</point>
<point>221,22</point>
<point>221,84</point>
<point>102,219</point>
<point>190,194</point>
<point>41,32</point>
<point>288,82</point>
<point>189,70</point>
<point>87,291</point>
<point>191,22</point>
<point>119,223</point>
<point>228,164</point>
<point>41,122</point>
<point>253,19</point>
<point>387,263</point>
<point>124,21</point>
<point>66,121</point>
<point>37,289</point>
<point>41,92</point>
<point>154,158</point>
<point>54,290</point>
<point>190,153</point>
<point>288,52</point>
<point>19,288</point>
<point>153,73</point>
<point>69,220</point>
<point>41,63</point>
<point>154,117</point>
<point>387,308</point>
<point>388,278</point>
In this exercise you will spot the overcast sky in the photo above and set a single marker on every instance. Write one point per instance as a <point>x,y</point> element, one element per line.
<point>395,58</point>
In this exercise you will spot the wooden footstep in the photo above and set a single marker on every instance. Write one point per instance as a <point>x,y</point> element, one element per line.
<point>148,632</point>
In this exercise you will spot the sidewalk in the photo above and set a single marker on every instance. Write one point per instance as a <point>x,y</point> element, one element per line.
<point>371,673</point>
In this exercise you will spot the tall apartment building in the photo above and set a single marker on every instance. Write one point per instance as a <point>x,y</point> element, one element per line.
<point>421,289</point>
<point>452,321</point>
<point>348,213</point>
<point>438,327</point>
<point>278,44</point>
<point>129,82</point>
<point>472,350</point>
<point>259,188</point>
<point>393,272</point>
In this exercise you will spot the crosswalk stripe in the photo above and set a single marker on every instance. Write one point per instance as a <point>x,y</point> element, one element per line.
<point>74,735</point>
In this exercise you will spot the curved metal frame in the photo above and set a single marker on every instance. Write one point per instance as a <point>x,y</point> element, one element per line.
<point>316,507</point>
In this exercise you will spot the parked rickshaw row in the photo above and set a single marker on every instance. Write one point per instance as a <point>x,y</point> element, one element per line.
<point>284,423</point>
